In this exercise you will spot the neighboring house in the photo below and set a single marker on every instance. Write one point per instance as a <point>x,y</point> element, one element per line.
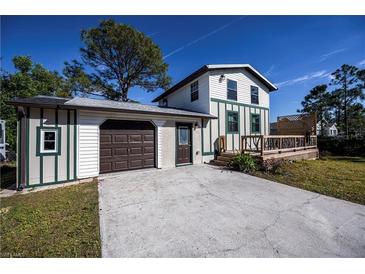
<point>2,141</point>
<point>329,129</point>
<point>273,128</point>
<point>62,140</point>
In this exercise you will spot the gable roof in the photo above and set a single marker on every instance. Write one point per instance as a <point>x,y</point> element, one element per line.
<point>207,68</point>
<point>104,105</point>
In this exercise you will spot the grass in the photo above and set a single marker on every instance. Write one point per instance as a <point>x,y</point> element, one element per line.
<point>62,222</point>
<point>340,177</point>
<point>8,175</point>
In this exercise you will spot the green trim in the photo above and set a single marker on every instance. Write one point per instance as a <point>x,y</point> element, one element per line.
<point>225,113</point>
<point>236,103</point>
<point>56,156</point>
<point>219,121</point>
<point>207,153</point>
<point>239,127</point>
<point>27,141</point>
<point>50,183</point>
<point>38,146</point>
<point>201,135</point>
<point>251,117</point>
<point>19,152</point>
<point>41,156</point>
<point>68,144</point>
<point>75,143</point>
<point>210,135</point>
<point>244,120</point>
<point>264,122</point>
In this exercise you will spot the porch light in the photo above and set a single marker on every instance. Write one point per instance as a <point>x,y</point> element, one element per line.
<point>222,78</point>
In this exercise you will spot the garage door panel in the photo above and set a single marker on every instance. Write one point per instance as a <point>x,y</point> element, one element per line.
<point>123,149</point>
<point>134,138</point>
<point>120,165</point>
<point>105,139</point>
<point>120,138</point>
<point>106,167</point>
<point>137,163</point>
<point>148,150</point>
<point>105,152</point>
<point>120,151</point>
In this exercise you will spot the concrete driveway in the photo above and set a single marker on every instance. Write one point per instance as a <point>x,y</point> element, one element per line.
<point>203,211</point>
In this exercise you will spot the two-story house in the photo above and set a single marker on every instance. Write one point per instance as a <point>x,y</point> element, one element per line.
<point>68,139</point>
<point>237,94</point>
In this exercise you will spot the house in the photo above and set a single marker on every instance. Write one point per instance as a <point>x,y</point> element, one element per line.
<point>329,129</point>
<point>61,139</point>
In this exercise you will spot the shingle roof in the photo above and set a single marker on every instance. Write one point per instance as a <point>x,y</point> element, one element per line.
<point>104,105</point>
<point>207,68</point>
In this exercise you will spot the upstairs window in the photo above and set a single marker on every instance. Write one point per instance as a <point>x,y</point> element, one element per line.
<point>255,123</point>
<point>232,121</point>
<point>254,95</point>
<point>231,90</point>
<point>194,91</point>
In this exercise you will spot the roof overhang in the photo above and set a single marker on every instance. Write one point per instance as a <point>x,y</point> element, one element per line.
<point>26,102</point>
<point>207,68</point>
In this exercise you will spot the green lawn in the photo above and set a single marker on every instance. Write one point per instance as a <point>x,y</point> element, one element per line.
<point>61,222</point>
<point>340,177</point>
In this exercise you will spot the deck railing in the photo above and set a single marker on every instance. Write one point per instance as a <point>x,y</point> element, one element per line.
<point>266,144</point>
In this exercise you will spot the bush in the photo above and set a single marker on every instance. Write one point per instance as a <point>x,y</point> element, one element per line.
<point>341,146</point>
<point>244,162</point>
<point>273,165</point>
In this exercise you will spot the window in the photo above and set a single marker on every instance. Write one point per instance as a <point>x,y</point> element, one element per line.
<point>194,91</point>
<point>183,136</point>
<point>231,90</point>
<point>49,142</point>
<point>164,102</point>
<point>255,123</point>
<point>232,122</point>
<point>254,95</point>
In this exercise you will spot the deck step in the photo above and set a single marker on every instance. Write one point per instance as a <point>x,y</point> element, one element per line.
<point>224,158</point>
<point>219,163</point>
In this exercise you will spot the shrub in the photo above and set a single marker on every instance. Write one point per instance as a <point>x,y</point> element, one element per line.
<point>244,162</point>
<point>341,146</point>
<point>273,165</point>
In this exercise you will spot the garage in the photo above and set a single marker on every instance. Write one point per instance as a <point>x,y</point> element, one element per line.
<point>126,145</point>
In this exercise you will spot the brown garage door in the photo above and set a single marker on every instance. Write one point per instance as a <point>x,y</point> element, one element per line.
<point>126,145</point>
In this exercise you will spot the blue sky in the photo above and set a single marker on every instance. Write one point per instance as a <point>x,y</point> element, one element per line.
<point>294,52</point>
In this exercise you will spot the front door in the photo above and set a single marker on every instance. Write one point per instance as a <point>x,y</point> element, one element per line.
<point>183,144</point>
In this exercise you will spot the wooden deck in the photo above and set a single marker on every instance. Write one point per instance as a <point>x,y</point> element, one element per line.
<point>264,147</point>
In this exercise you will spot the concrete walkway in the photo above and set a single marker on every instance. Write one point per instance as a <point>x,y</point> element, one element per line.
<point>203,211</point>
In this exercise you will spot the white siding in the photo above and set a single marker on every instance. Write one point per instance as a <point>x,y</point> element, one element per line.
<point>88,138</point>
<point>218,89</point>
<point>181,98</point>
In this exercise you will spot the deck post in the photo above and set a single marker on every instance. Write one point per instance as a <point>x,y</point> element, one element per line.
<point>262,145</point>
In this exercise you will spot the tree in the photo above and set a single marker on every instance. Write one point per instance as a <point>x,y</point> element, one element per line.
<point>120,57</point>
<point>349,91</point>
<point>28,80</point>
<point>317,101</point>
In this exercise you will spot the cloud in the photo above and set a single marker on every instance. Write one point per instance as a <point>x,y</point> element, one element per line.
<point>313,75</point>
<point>269,71</point>
<point>361,63</point>
<point>331,53</point>
<point>189,44</point>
